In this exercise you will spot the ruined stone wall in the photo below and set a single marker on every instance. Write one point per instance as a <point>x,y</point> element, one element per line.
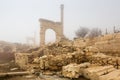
<point>22,59</point>
<point>109,43</point>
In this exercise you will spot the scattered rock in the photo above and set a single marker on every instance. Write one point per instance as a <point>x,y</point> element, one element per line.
<point>13,69</point>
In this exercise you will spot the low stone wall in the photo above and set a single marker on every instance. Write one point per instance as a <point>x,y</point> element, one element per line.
<point>109,44</point>
<point>111,47</point>
<point>22,59</point>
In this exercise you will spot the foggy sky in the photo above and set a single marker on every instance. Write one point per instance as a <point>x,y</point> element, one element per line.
<point>19,18</point>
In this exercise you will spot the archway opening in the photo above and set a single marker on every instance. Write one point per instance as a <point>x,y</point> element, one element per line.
<point>50,36</point>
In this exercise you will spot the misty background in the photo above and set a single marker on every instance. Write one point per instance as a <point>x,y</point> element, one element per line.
<point>19,18</point>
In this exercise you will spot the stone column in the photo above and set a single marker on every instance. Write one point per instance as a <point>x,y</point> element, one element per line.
<point>42,36</point>
<point>62,14</point>
<point>62,17</point>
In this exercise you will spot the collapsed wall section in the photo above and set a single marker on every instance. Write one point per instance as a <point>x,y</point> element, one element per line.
<point>109,44</point>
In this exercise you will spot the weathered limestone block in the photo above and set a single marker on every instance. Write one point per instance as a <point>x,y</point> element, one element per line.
<point>14,73</point>
<point>71,71</point>
<point>102,72</point>
<point>44,61</point>
<point>99,59</point>
<point>102,59</point>
<point>91,49</point>
<point>90,73</point>
<point>22,59</point>
<point>74,70</point>
<point>114,75</point>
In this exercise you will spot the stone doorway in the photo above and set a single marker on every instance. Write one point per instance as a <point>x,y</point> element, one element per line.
<point>55,26</point>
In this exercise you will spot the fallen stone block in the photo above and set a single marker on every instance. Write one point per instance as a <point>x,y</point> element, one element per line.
<point>74,70</point>
<point>102,72</point>
<point>14,73</point>
<point>97,70</point>
<point>13,69</point>
<point>114,75</point>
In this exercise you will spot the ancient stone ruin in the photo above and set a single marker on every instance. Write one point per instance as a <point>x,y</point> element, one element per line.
<point>79,59</point>
<point>73,59</point>
<point>93,59</point>
<point>56,26</point>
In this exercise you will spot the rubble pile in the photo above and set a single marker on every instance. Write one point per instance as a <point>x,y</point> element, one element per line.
<point>91,72</point>
<point>50,62</point>
<point>59,48</point>
<point>68,59</point>
<point>74,61</point>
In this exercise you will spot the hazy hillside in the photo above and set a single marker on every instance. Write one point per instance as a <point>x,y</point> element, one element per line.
<point>8,49</point>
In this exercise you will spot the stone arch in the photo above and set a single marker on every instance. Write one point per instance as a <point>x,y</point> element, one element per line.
<point>47,24</point>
